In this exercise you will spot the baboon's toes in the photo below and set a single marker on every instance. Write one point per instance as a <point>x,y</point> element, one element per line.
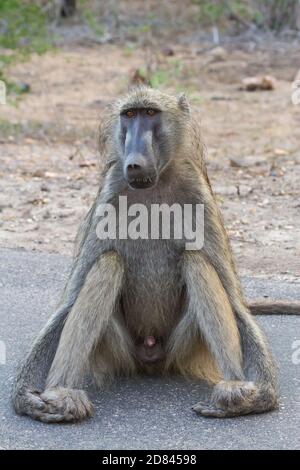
<point>232,395</point>
<point>207,410</point>
<point>27,402</point>
<point>54,405</point>
<point>64,404</point>
<point>230,399</point>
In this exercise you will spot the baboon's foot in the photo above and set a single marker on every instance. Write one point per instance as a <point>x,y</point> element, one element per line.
<point>234,399</point>
<point>54,405</point>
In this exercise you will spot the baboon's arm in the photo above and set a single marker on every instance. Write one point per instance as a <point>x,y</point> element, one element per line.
<point>88,321</point>
<point>64,347</point>
<point>224,329</point>
<point>36,366</point>
<point>209,315</point>
<point>258,365</point>
<point>32,376</point>
<point>235,341</point>
<point>35,369</point>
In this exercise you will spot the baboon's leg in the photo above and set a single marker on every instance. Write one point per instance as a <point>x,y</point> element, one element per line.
<point>236,344</point>
<point>32,376</point>
<point>33,373</point>
<point>208,313</point>
<point>86,323</point>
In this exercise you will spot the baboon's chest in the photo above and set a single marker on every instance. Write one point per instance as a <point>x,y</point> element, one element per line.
<point>152,293</point>
<point>152,289</point>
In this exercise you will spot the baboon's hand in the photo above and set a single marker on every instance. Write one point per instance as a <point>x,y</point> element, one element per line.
<point>55,405</point>
<point>230,399</point>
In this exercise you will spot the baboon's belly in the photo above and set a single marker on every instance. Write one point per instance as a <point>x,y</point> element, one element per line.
<point>152,293</point>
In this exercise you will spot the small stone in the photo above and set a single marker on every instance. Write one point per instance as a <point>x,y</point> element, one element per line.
<point>248,161</point>
<point>280,152</point>
<point>226,190</point>
<point>51,174</point>
<point>63,214</point>
<point>265,82</point>
<point>45,187</point>
<point>167,51</point>
<point>31,228</point>
<point>244,190</point>
<point>46,214</point>
<point>276,171</point>
<point>218,54</point>
<point>38,174</point>
<point>86,164</point>
<point>75,185</point>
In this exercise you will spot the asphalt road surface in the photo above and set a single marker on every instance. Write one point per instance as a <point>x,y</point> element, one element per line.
<point>138,413</point>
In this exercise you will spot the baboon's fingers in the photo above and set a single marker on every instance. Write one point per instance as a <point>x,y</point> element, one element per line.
<point>210,410</point>
<point>233,394</point>
<point>33,399</point>
<point>229,399</point>
<point>74,405</point>
<point>55,405</point>
<point>50,418</point>
<point>207,410</point>
<point>199,406</point>
<point>25,401</point>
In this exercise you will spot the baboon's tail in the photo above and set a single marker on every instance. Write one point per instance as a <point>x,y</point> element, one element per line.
<point>274,308</point>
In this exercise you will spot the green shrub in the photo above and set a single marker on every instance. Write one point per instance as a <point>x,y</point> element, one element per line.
<point>23,27</point>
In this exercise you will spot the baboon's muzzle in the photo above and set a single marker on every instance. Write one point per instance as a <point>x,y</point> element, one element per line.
<point>138,173</point>
<point>139,166</point>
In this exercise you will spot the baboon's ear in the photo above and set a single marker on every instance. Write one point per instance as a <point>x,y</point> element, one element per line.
<point>183,103</point>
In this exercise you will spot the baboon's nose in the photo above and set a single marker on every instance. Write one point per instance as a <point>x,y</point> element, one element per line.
<point>134,169</point>
<point>139,173</point>
<point>136,165</point>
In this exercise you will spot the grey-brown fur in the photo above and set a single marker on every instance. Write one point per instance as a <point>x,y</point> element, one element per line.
<point>120,290</point>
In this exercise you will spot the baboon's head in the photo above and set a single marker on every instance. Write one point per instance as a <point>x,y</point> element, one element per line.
<point>149,129</point>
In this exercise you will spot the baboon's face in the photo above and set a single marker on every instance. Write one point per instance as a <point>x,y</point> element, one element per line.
<point>140,136</point>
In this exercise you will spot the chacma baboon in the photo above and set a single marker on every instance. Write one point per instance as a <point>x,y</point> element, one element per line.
<point>151,306</point>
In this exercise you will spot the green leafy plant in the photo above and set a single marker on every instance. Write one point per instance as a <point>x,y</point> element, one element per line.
<point>210,12</point>
<point>22,31</point>
<point>272,14</point>
<point>159,78</point>
<point>92,23</point>
<point>23,27</point>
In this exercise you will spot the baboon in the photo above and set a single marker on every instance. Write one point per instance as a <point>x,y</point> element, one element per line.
<point>151,306</point>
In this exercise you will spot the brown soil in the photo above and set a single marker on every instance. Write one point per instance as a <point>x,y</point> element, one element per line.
<point>49,162</point>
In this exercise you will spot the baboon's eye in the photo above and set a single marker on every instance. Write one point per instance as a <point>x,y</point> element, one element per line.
<point>151,112</point>
<point>130,113</point>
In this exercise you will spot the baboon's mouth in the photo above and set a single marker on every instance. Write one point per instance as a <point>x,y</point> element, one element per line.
<point>143,182</point>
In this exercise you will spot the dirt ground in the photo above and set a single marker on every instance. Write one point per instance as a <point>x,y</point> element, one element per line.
<point>49,164</point>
